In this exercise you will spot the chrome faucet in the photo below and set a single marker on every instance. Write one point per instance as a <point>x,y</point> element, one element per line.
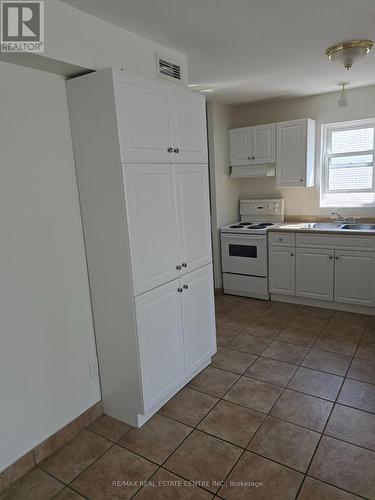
<point>342,219</point>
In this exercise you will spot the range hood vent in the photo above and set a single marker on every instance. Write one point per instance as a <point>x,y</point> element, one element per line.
<point>253,171</point>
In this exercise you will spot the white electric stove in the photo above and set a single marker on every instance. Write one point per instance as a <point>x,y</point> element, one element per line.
<point>244,252</point>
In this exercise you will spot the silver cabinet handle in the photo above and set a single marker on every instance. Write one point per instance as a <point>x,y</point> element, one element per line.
<point>178,268</point>
<point>176,150</point>
<point>170,150</point>
<point>336,258</point>
<point>292,254</point>
<point>184,264</point>
<point>180,290</point>
<point>330,257</point>
<point>186,287</point>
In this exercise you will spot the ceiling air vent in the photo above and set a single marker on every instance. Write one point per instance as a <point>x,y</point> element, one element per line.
<point>168,69</point>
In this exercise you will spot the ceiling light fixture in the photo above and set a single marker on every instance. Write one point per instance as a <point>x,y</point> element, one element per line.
<point>347,53</point>
<point>343,101</point>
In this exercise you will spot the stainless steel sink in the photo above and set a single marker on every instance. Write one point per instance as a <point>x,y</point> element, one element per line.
<point>358,227</point>
<point>326,225</point>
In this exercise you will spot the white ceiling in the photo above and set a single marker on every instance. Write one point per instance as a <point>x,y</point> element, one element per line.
<point>251,50</point>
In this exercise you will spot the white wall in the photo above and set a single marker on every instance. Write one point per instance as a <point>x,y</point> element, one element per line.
<point>323,109</point>
<point>47,337</point>
<point>225,192</point>
<point>46,324</point>
<point>75,37</point>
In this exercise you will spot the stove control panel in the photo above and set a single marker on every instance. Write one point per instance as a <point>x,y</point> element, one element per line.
<point>267,207</point>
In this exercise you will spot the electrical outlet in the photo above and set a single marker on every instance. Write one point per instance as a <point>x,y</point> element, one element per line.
<point>93,368</point>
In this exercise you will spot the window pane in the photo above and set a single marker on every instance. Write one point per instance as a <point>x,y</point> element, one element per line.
<point>347,199</point>
<point>351,160</point>
<point>344,141</point>
<point>353,178</point>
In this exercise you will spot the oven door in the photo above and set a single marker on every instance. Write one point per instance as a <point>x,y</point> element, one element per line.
<point>244,254</point>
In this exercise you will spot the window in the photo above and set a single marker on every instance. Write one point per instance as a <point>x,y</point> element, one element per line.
<point>347,172</point>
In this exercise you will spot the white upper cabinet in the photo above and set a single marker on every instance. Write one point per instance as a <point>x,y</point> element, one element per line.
<point>144,127</point>
<point>263,140</point>
<point>160,123</point>
<point>161,342</point>
<point>295,153</point>
<point>193,213</point>
<point>188,126</point>
<point>252,145</point>
<point>355,277</point>
<point>152,219</point>
<point>198,315</point>
<point>239,146</point>
<point>314,273</point>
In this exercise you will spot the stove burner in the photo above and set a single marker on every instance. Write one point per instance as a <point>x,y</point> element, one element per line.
<point>245,223</point>
<point>260,226</point>
<point>236,226</point>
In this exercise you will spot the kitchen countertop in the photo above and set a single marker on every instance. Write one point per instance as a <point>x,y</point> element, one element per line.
<point>320,227</point>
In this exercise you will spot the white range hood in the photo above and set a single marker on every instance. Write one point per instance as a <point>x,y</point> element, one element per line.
<point>252,171</point>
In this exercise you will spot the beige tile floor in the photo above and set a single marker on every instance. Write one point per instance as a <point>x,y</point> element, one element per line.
<point>286,410</point>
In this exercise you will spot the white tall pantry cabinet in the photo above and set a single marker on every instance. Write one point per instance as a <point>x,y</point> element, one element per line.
<point>140,149</point>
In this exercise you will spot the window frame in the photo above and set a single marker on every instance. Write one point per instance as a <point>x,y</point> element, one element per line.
<point>326,155</point>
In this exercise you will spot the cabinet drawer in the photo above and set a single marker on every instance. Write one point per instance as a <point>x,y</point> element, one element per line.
<point>282,239</point>
<point>339,241</point>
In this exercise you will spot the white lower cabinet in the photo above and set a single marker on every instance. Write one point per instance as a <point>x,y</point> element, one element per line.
<point>355,277</point>
<point>198,315</point>
<point>332,268</point>
<point>314,273</point>
<point>161,342</point>
<point>176,333</point>
<point>282,270</point>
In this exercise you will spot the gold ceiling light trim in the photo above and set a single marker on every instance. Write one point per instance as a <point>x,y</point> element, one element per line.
<point>347,53</point>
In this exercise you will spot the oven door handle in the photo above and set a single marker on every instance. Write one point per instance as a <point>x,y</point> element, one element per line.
<point>247,237</point>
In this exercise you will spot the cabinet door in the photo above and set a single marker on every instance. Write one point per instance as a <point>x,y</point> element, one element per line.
<point>355,277</point>
<point>188,126</point>
<point>143,120</point>
<point>161,342</point>
<point>152,219</point>
<point>264,148</point>
<point>193,209</point>
<point>198,315</point>
<point>282,270</point>
<point>240,146</point>
<point>314,273</point>
<point>291,140</point>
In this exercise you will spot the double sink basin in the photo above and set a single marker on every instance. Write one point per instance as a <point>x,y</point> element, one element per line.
<point>344,227</point>
<point>330,226</point>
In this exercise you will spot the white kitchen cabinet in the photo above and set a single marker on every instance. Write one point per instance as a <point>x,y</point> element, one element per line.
<point>161,342</point>
<point>295,153</point>
<point>193,212</point>
<point>160,123</point>
<point>154,242</point>
<point>252,145</point>
<point>314,273</point>
<point>188,126</point>
<point>355,277</point>
<point>145,212</point>
<point>144,123</point>
<point>282,270</point>
<point>198,317</point>
<point>263,144</point>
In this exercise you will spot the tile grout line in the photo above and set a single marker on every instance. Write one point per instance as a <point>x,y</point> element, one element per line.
<point>328,419</point>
